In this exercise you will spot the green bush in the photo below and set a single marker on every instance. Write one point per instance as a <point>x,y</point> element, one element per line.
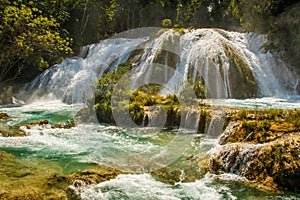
<point>166,23</point>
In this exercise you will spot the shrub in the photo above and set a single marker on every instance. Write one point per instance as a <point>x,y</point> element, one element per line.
<point>166,23</point>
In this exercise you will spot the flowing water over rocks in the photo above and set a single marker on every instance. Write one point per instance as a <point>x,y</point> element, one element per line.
<point>229,64</point>
<point>69,155</point>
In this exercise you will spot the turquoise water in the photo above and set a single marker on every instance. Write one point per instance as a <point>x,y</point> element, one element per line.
<point>140,150</point>
<point>292,102</point>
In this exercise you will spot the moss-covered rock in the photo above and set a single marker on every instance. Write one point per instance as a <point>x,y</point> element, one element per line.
<point>31,179</point>
<point>65,124</point>
<point>22,179</point>
<point>85,178</point>
<point>242,81</point>
<point>263,146</point>
<point>277,163</point>
<point>260,126</point>
<point>273,166</point>
<point>7,131</point>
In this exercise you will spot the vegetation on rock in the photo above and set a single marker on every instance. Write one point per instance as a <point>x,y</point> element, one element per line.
<point>140,99</point>
<point>240,72</point>
<point>277,163</point>
<point>260,126</point>
<point>28,179</point>
<point>262,145</point>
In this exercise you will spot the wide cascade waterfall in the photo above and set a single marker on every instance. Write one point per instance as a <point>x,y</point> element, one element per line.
<point>229,64</point>
<point>240,141</point>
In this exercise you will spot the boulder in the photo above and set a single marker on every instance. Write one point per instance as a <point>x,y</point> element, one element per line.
<point>277,163</point>
<point>3,116</point>
<point>65,124</point>
<point>273,165</point>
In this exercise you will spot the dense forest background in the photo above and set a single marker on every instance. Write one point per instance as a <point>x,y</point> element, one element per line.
<point>39,33</point>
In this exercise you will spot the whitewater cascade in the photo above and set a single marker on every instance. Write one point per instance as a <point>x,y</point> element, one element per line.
<point>216,57</point>
<point>73,80</point>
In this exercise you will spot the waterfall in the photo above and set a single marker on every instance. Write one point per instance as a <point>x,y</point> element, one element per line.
<point>190,120</point>
<point>202,50</point>
<point>72,79</point>
<point>147,69</point>
<point>216,124</point>
<point>208,55</point>
<point>272,74</point>
<point>234,158</point>
<point>204,54</point>
<point>155,116</point>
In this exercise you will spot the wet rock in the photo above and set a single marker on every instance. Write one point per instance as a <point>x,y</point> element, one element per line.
<point>83,179</point>
<point>39,122</point>
<point>263,146</point>
<point>232,158</point>
<point>277,163</point>
<point>23,179</point>
<point>23,130</point>
<point>95,175</point>
<point>12,133</point>
<point>66,124</point>
<point>273,165</point>
<point>3,116</point>
<point>6,131</point>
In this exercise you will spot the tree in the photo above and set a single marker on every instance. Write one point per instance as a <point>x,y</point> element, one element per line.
<point>30,40</point>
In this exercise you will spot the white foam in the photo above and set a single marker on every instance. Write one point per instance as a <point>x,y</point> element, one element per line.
<point>143,186</point>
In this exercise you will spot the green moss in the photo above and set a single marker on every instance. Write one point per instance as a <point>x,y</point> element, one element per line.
<point>179,29</point>
<point>240,72</point>
<point>261,126</point>
<point>139,99</point>
<point>278,160</point>
<point>166,23</point>
<point>205,117</point>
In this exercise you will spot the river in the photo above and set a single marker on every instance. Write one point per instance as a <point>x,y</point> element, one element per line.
<point>85,145</point>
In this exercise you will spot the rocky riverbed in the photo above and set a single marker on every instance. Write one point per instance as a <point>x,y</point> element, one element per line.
<point>260,145</point>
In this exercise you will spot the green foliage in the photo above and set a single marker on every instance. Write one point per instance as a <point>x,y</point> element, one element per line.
<point>139,98</point>
<point>197,87</point>
<point>166,23</point>
<point>103,96</point>
<point>30,40</point>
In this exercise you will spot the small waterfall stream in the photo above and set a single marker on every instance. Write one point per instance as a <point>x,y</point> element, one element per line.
<point>272,74</point>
